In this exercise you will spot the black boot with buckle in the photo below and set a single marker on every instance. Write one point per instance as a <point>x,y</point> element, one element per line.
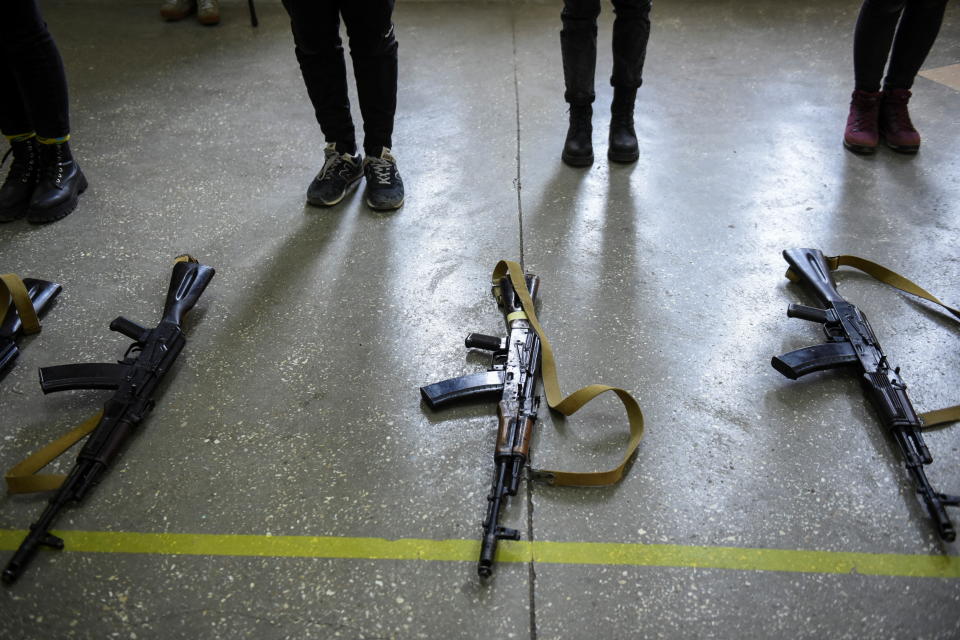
<point>60,186</point>
<point>21,179</point>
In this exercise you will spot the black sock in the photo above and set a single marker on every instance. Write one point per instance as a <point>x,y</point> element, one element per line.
<point>347,147</point>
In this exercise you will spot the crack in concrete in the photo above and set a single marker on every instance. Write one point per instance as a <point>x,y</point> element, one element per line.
<point>532,581</point>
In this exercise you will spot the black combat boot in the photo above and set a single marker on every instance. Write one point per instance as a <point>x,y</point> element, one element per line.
<point>578,48</point>
<point>60,186</point>
<point>578,148</point>
<point>21,180</point>
<point>623,139</point>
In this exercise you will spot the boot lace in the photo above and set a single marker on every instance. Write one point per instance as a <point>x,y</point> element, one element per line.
<point>22,166</point>
<point>53,170</point>
<point>899,115</point>
<point>865,116</point>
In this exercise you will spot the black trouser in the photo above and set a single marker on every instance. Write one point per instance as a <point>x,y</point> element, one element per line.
<point>373,47</point>
<point>919,23</point>
<point>578,44</point>
<point>33,86</point>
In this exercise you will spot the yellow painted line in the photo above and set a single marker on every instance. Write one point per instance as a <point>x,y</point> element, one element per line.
<point>577,553</point>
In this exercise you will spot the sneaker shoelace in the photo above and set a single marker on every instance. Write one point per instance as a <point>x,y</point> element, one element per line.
<point>382,170</point>
<point>333,165</point>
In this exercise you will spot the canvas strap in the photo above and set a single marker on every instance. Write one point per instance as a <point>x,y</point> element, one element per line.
<point>572,403</point>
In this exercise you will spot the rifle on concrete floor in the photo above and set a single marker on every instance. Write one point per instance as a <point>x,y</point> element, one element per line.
<point>513,376</point>
<point>30,298</point>
<point>135,380</point>
<point>852,344</point>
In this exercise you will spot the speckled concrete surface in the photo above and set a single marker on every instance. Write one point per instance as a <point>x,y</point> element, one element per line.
<point>294,409</point>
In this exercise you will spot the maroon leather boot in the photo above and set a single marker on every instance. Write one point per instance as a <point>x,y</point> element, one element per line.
<point>895,127</point>
<point>862,132</point>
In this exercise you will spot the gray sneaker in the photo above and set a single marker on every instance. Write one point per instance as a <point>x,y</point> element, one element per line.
<point>339,173</point>
<point>208,12</point>
<point>384,185</point>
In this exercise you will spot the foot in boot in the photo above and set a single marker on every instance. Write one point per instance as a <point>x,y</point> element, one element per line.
<point>623,140</point>
<point>384,186</point>
<point>862,132</point>
<point>895,127</point>
<point>61,183</point>
<point>339,173</point>
<point>21,179</point>
<point>177,9</point>
<point>578,147</point>
<point>623,145</point>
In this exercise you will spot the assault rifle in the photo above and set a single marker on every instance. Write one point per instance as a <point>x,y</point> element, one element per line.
<point>513,375</point>
<point>852,343</point>
<point>135,380</point>
<point>42,294</point>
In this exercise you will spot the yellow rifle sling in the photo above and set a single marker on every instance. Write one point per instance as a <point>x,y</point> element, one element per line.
<point>12,287</point>
<point>572,403</point>
<point>24,478</point>
<point>897,281</point>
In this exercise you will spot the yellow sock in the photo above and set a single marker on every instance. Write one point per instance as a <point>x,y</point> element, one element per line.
<point>20,137</point>
<point>53,140</point>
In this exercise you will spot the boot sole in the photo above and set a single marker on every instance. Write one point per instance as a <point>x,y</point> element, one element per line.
<point>859,149</point>
<point>577,161</point>
<point>346,190</point>
<point>623,158</point>
<point>14,213</point>
<point>905,149</point>
<point>60,211</point>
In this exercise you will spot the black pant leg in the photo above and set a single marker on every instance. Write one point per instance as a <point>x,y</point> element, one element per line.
<point>872,37</point>
<point>373,48</point>
<point>578,46</point>
<point>14,118</point>
<point>916,33</point>
<point>319,50</point>
<point>34,89</point>
<point>631,31</point>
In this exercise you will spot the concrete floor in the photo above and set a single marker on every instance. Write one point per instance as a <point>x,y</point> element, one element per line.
<point>294,409</point>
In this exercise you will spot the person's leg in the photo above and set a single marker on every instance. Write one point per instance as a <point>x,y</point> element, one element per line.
<point>316,36</point>
<point>578,47</point>
<point>319,50</point>
<point>631,31</point>
<point>872,37</point>
<point>373,48</point>
<point>14,118</point>
<point>33,60</point>
<point>916,33</point>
